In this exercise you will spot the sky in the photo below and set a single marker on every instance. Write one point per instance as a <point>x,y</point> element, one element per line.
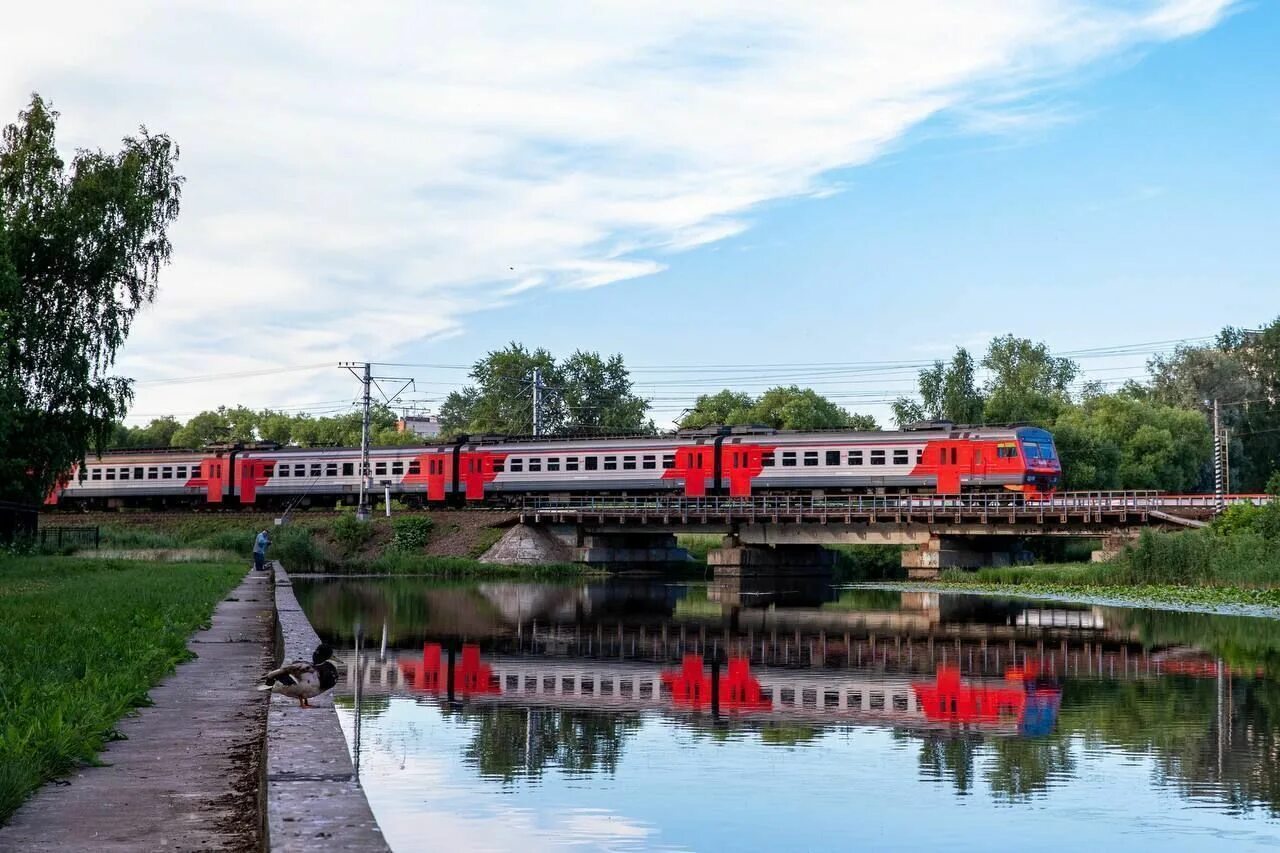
<point>730,194</point>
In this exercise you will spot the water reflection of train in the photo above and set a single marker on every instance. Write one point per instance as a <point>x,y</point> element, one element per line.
<point>1021,702</point>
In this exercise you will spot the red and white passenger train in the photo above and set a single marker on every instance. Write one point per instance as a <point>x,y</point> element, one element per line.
<point>734,462</point>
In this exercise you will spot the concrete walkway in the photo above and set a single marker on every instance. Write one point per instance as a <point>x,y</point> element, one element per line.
<point>186,778</point>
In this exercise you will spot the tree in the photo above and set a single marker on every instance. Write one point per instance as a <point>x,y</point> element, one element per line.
<point>586,392</point>
<point>793,407</point>
<point>158,433</point>
<point>947,392</point>
<point>597,395</point>
<point>724,407</point>
<point>1116,441</point>
<point>80,253</point>
<point>783,407</point>
<point>1025,383</point>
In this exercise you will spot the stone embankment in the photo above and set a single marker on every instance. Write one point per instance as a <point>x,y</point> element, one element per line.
<point>314,802</point>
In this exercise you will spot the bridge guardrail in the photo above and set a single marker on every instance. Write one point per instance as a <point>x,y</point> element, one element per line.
<point>1073,504</point>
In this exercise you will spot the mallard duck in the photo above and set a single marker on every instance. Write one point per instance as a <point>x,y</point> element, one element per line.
<point>304,681</point>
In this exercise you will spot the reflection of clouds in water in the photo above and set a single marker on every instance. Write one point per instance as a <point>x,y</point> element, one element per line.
<point>422,803</point>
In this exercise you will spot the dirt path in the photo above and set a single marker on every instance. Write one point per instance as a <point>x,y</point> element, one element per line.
<point>187,776</point>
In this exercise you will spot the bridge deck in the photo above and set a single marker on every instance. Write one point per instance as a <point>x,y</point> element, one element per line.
<point>1124,508</point>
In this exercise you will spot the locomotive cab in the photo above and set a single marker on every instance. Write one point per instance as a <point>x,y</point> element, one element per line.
<point>1042,470</point>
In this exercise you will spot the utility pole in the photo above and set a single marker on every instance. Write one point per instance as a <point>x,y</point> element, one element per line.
<point>363,370</point>
<point>1218,503</point>
<point>1226,457</point>
<point>538,401</point>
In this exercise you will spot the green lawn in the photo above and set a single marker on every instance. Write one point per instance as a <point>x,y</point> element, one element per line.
<point>81,643</point>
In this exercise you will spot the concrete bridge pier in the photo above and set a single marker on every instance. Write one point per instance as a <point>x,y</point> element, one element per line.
<point>631,548</point>
<point>733,557</point>
<point>925,561</point>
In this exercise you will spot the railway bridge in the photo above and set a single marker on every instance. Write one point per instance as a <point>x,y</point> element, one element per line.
<point>767,533</point>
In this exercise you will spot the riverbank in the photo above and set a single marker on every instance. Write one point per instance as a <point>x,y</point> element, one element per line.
<point>86,642</point>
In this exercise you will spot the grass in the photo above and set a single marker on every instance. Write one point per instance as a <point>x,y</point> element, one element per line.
<point>1194,567</point>
<point>83,641</point>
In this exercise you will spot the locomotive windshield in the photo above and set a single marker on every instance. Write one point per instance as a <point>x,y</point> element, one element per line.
<point>1038,445</point>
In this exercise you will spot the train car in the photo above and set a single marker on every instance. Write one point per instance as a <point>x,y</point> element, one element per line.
<point>734,462</point>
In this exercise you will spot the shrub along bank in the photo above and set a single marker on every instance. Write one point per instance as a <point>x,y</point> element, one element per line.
<point>1235,560</point>
<point>83,641</point>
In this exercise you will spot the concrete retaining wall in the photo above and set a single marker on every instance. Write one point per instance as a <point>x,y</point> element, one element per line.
<point>314,802</point>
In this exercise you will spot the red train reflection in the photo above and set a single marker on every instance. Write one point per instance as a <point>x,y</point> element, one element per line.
<point>1022,697</point>
<point>470,676</point>
<point>691,686</point>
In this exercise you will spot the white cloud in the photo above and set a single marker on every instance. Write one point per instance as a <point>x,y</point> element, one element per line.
<point>424,162</point>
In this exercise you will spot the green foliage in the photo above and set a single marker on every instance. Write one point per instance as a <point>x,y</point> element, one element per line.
<point>1116,441</point>
<point>80,253</point>
<point>947,392</point>
<point>585,392</point>
<point>84,640</point>
<point>868,563</point>
<point>410,532</point>
<point>1273,485</point>
<point>1025,384</point>
<point>350,533</point>
<point>298,550</point>
<point>783,407</point>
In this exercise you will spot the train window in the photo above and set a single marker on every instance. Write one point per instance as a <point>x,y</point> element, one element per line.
<point>498,466</point>
<point>919,455</point>
<point>611,463</point>
<point>517,466</point>
<point>668,460</point>
<point>269,469</point>
<point>315,469</point>
<point>284,471</point>
<point>415,467</point>
<point>299,470</point>
<point>331,470</point>
<point>789,459</point>
<point>877,457</point>
<point>628,463</point>
<point>124,473</point>
<point>95,473</point>
<point>397,467</point>
<point>535,464</point>
<point>348,469</point>
<point>571,463</point>
<point>767,459</point>
<point>833,457</point>
<point>855,457</point>
<point>137,473</point>
<point>953,456</point>
<point>111,473</point>
<point>553,464</point>
<point>166,473</point>
<point>379,468</point>
<point>648,463</point>
<point>900,457</point>
<point>589,463</point>
<point>153,473</point>
<point>810,458</point>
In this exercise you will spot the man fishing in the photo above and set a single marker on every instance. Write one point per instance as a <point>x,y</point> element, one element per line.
<point>260,551</point>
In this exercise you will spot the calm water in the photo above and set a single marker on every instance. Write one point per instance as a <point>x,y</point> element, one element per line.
<point>591,716</point>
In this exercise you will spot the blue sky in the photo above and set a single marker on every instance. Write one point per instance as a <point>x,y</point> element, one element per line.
<point>754,184</point>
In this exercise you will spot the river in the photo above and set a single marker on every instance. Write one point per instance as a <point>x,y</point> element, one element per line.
<point>783,714</point>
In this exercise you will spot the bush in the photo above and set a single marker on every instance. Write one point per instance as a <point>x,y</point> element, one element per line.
<point>297,549</point>
<point>869,563</point>
<point>350,533</point>
<point>410,532</point>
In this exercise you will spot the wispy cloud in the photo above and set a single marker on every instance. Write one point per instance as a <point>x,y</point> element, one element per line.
<point>365,177</point>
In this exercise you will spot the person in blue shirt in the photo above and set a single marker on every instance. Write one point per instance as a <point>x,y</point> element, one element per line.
<point>260,550</point>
